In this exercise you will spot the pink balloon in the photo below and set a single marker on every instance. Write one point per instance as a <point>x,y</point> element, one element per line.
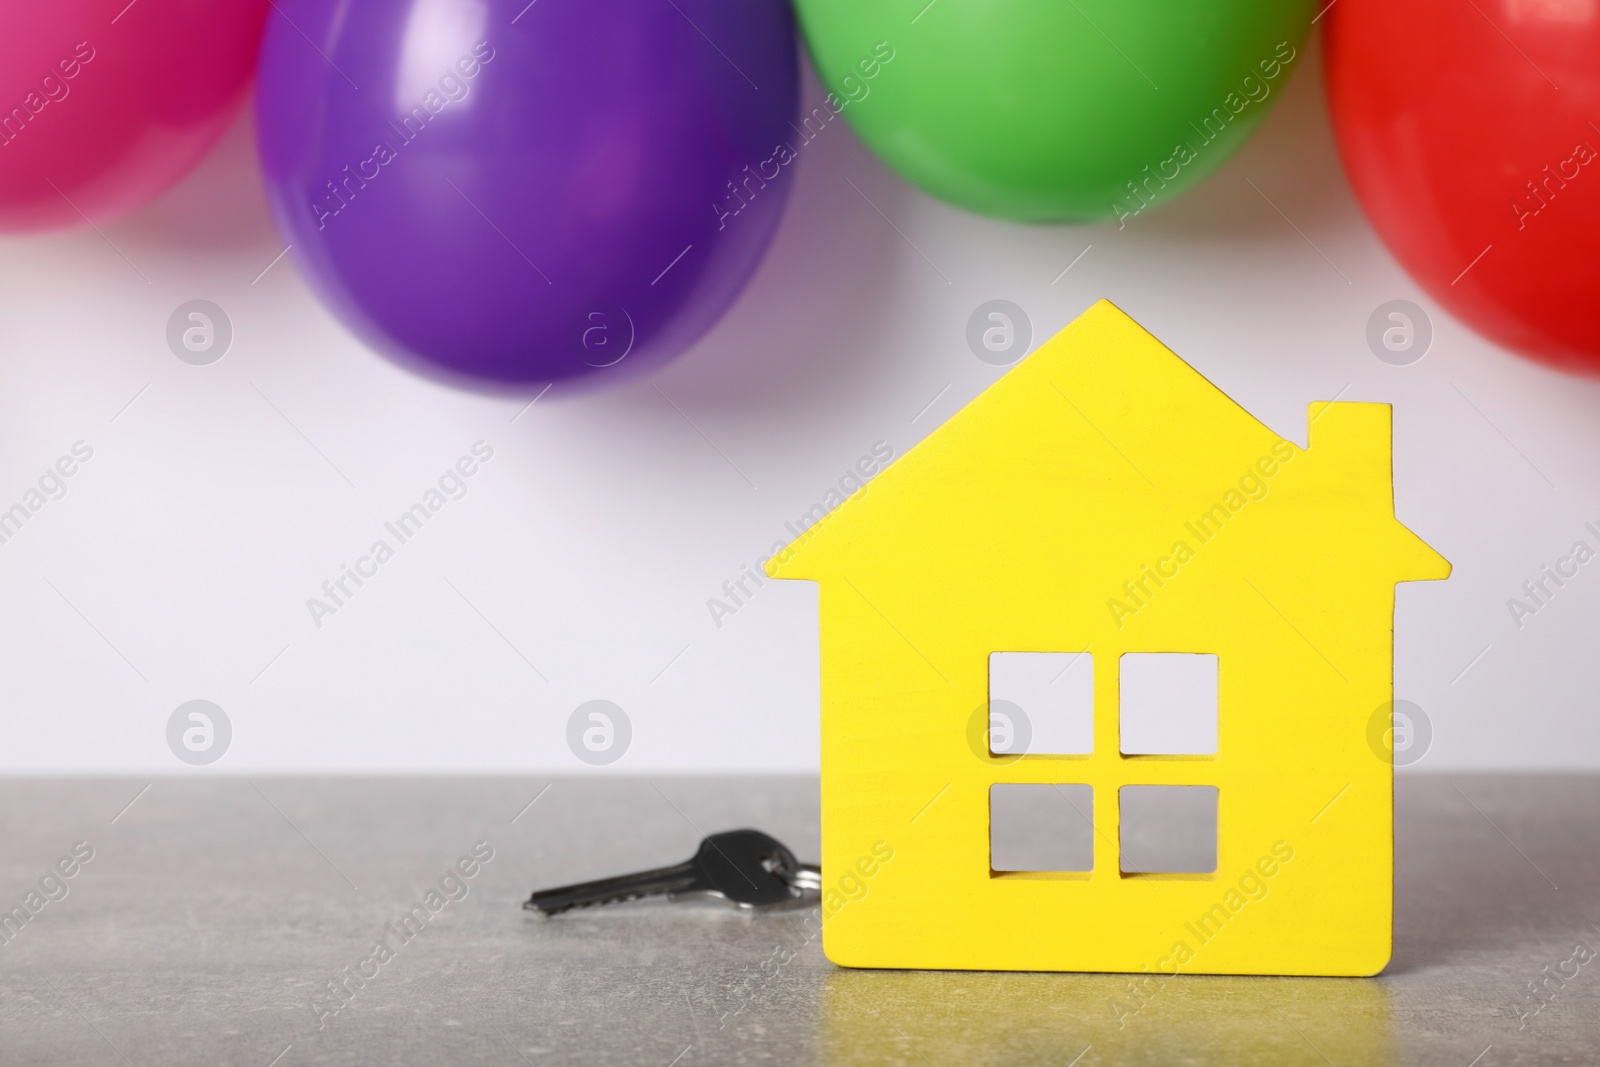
<point>106,103</point>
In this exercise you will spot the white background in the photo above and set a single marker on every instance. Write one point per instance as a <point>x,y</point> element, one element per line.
<point>179,564</point>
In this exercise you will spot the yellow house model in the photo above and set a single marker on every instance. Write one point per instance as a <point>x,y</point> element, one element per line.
<point>1104,507</point>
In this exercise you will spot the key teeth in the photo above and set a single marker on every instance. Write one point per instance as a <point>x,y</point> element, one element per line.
<point>533,905</point>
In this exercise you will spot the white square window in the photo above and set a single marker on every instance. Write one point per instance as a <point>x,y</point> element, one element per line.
<point>1041,702</point>
<point>1168,704</point>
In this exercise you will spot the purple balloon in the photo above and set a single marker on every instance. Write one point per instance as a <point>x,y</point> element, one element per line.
<point>505,192</point>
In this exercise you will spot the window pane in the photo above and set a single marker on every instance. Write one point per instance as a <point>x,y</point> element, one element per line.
<point>1168,828</point>
<point>1041,827</point>
<point>1041,702</point>
<point>1168,704</point>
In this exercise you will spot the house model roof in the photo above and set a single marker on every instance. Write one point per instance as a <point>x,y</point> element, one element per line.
<point>1104,446</point>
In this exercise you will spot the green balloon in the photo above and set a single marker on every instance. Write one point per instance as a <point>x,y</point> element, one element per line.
<point>1054,110</point>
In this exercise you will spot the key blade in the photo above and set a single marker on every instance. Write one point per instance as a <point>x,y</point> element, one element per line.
<point>662,880</point>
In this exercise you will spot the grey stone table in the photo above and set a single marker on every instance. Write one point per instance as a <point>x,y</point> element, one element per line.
<point>213,915</point>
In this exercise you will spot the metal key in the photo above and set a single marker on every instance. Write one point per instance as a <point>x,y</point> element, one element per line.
<point>744,867</point>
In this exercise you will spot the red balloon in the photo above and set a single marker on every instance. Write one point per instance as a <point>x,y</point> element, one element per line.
<point>1471,132</point>
<point>105,103</point>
